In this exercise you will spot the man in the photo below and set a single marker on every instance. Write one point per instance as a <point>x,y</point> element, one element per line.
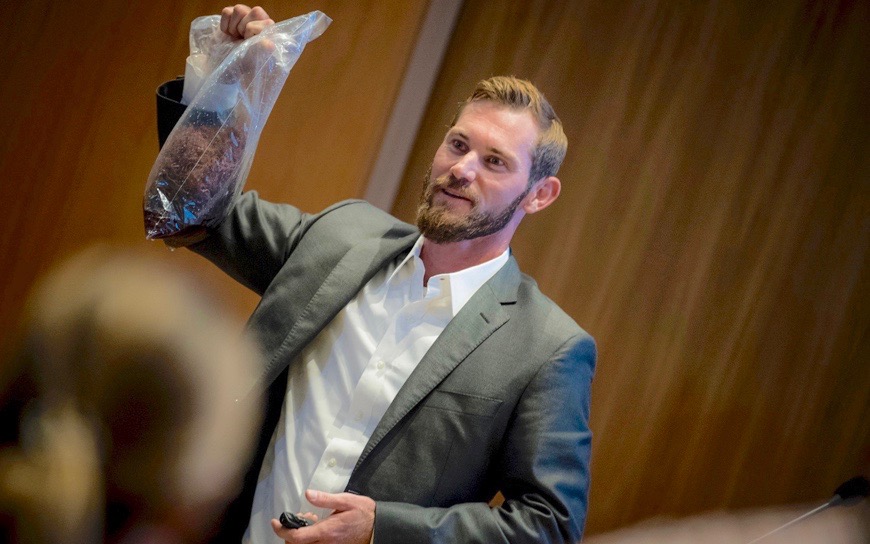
<point>411,376</point>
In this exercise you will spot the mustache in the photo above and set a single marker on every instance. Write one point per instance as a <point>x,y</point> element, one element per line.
<point>454,186</point>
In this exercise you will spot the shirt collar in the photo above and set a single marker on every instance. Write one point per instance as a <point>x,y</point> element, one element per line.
<point>461,285</point>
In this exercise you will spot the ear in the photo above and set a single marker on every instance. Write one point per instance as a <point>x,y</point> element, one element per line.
<point>543,193</point>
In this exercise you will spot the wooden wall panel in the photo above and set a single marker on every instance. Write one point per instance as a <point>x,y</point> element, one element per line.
<point>712,235</point>
<point>78,117</point>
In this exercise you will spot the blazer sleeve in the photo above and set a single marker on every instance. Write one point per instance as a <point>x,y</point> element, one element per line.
<point>543,464</point>
<point>254,241</point>
<point>169,108</point>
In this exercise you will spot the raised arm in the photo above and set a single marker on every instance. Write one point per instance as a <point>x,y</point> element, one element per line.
<point>191,180</point>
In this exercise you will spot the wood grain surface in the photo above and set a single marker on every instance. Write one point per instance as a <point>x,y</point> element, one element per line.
<point>77,107</point>
<point>712,235</point>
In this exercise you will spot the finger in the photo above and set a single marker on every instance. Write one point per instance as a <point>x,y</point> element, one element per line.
<point>312,517</point>
<point>239,12</point>
<point>257,15</point>
<point>308,515</point>
<point>255,27</point>
<point>226,13</point>
<point>335,501</point>
<point>242,23</point>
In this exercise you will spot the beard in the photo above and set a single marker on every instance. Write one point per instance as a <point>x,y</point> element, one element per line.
<point>440,224</point>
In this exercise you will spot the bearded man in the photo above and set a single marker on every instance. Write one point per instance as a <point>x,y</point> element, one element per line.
<point>414,373</point>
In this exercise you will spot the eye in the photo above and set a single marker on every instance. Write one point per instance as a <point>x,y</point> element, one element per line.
<point>458,145</point>
<point>495,161</point>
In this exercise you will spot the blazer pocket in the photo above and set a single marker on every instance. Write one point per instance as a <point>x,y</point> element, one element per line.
<point>463,403</point>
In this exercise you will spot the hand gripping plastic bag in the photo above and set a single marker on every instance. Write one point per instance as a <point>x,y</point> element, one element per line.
<point>204,163</point>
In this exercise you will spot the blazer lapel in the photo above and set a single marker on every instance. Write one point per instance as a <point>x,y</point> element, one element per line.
<point>482,315</point>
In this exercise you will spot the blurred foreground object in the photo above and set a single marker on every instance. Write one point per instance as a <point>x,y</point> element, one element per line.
<point>849,525</point>
<point>132,431</point>
<point>851,491</point>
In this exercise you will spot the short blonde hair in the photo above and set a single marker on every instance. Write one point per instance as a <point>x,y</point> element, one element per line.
<point>520,94</point>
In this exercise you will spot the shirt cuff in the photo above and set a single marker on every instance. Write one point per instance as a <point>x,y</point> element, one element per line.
<point>220,97</point>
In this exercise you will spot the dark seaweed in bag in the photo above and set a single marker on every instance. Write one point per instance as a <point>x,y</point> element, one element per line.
<point>205,161</point>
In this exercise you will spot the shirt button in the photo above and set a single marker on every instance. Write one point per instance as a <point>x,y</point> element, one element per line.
<point>358,416</point>
<point>331,463</point>
<point>381,365</point>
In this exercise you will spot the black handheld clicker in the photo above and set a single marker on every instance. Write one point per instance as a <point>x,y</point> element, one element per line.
<point>292,521</point>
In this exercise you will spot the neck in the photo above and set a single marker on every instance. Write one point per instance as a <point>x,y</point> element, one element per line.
<point>456,256</point>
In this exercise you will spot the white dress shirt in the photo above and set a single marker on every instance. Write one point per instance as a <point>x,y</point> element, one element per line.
<point>342,383</point>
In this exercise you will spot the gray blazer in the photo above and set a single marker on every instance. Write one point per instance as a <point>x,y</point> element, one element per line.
<point>499,403</point>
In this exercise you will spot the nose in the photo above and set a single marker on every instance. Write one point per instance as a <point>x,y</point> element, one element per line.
<point>465,169</point>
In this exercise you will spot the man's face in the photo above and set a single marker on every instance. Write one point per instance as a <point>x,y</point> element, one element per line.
<point>480,174</point>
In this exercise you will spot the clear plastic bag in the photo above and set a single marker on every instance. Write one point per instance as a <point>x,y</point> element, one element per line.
<point>205,161</point>
<point>209,46</point>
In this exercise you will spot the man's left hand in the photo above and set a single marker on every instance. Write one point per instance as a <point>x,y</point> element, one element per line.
<point>352,521</point>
